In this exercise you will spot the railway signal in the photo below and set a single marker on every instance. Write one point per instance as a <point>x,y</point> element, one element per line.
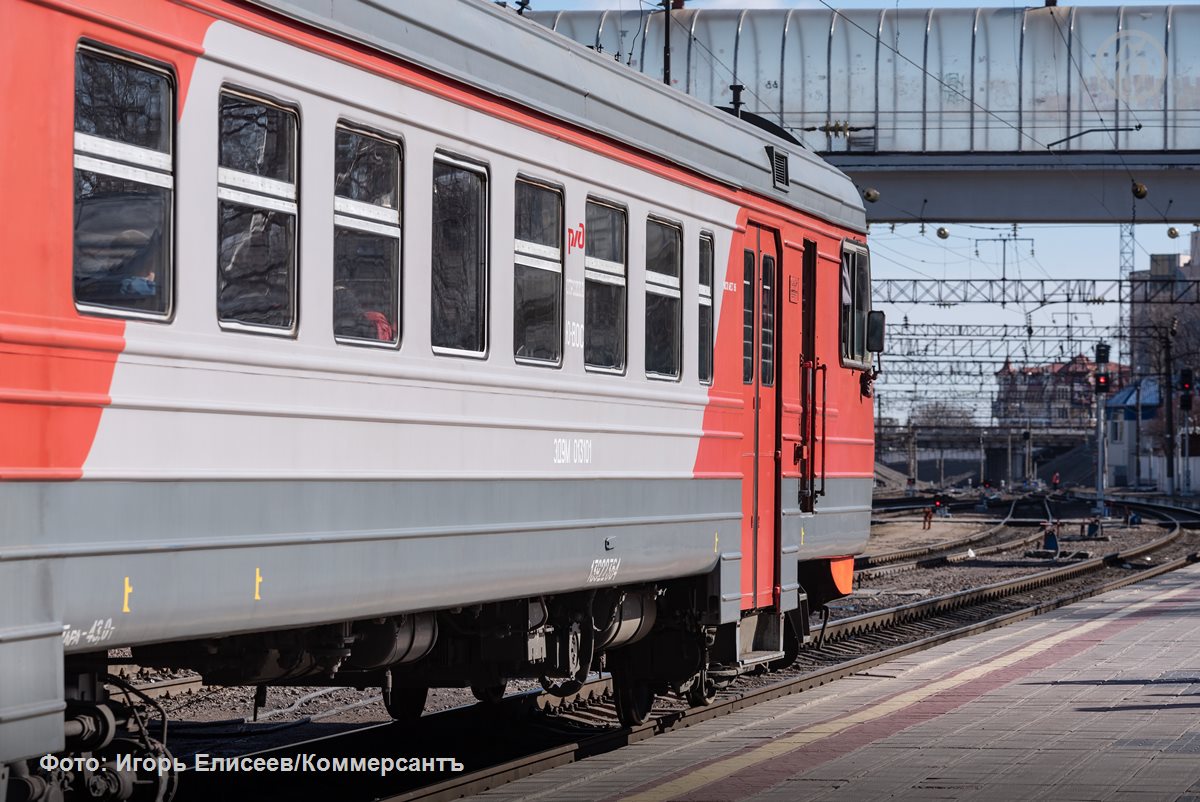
<point>1102,383</point>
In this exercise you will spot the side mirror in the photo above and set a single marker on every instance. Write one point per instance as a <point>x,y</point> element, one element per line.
<point>875,328</point>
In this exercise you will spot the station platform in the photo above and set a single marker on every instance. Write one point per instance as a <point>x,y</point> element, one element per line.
<point>1097,701</point>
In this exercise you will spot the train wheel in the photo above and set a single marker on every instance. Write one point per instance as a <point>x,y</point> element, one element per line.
<point>489,694</point>
<point>703,691</point>
<point>634,699</point>
<point>406,704</point>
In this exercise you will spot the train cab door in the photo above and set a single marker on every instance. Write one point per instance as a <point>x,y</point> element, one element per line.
<point>761,433</point>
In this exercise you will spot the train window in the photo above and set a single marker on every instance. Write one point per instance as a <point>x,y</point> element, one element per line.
<point>459,258</point>
<point>366,238</point>
<point>748,317</point>
<point>124,186</point>
<point>856,303</point>
<point>537,274</point>
<point>705,357</point>
<point>768,321</point>
<point>604,288</point>
<point>664,265</point>
<point>256,225</point>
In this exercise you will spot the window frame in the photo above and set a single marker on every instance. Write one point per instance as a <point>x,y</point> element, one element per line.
<point>705,298</point>
<point>246,189</point>
<point>602,274</point>
<point>119,160</point>
<point>666,286</point>
<point>768,292</point>
<point>485,239</point>
<point>845,357</point>
<point>543,260</point>
<point>371,219</point>
<point>750,301</point>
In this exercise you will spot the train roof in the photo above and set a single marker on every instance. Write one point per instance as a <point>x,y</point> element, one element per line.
<point>507,55</point>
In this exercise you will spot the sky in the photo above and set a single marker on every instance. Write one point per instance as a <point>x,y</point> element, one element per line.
<point>1057,251</point>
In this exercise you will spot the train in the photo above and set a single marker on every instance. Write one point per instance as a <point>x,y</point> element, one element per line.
<point>403,346</point>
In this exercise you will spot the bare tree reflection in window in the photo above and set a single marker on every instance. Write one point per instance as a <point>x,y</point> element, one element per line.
<point>664,260</point>
<point>457,258</point>
<point>366,169</point>
<point>604,288</point>
<point>118,100</point>
<point>256,138</point>
<point>257,262</point>
<point>123,195</point>
<point>537,274</point>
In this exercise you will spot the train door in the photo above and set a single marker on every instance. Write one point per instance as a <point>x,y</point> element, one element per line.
<point>812,386</point>
<point>761,434</point>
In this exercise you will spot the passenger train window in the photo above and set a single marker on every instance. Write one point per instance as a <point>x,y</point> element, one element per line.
<point>664,265</point>
<point>256,201</point>
<point>366,238</point>
<point>124,186</point>
<point>705,358</point>
<point>604,278</point>
<point>856,303</point>
<point>748,317</point>
<point>459,258</point>
<point>767,371</point>
<point>537,274</point>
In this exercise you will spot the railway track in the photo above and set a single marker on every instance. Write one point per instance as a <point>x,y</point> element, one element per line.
<point>989,540</point>
<point>586,724</point>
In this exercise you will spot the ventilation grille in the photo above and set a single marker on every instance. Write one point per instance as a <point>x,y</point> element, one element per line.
<point>779,167</point>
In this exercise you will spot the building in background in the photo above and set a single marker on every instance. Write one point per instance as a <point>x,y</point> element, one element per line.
<point>1134,429</point>
<point>1059,395</point>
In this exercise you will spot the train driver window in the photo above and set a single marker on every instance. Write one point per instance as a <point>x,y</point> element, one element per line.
<point>855,303</point>
<point>664,265</point>
<point>366,238</point>
<point>459,258</point>
<point>537,274</point>
<point>124,184</point>
<point>256,200</point>
<point>604,278</point>
<point>705,358</point>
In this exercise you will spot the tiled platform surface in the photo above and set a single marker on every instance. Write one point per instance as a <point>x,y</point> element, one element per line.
<point>1098,701</point>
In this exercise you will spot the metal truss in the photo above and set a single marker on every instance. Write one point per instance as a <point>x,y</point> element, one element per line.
<point>996,350</point>
<point>1039,292</point>
<point>907,393</point>
<point>929,331</point>
<point>931,376</point>
<point>928,374</point>
<point>895,438</point>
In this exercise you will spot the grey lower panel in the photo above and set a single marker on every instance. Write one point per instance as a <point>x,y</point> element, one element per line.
<point>31,664</point>
<point>135,562</point>
<point>840,525</point>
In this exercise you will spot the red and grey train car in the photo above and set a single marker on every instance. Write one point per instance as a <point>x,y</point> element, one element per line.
<point>405,346</point>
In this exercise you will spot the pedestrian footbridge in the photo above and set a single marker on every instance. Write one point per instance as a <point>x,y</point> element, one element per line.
<point>988,114</point>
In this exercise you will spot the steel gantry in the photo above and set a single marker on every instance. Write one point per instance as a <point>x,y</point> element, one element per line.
<point>1039,292</point>
<point>983,350</point>
<point>998,331</point>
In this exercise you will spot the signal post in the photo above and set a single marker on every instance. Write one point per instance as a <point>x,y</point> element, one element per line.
<point>1102,386</point>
